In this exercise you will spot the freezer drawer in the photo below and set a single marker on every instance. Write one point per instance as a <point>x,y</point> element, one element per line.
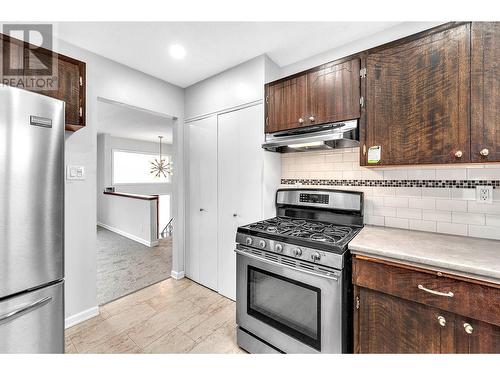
<point>33,322</point>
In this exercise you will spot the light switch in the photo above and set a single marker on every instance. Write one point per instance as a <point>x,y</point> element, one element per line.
<point>75,172</point>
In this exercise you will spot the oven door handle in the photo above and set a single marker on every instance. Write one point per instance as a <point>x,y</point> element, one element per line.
<point>244,253</point>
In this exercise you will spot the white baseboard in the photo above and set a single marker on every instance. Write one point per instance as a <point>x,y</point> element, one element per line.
<point>81,316</point>
<point>129,236</point>
<point>177,274</point>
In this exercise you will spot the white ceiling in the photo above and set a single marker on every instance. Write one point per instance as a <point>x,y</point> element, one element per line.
<point>124,121</point>
<point>211,46</point>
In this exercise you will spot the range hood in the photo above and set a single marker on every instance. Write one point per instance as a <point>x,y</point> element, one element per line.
<point>316,137</point>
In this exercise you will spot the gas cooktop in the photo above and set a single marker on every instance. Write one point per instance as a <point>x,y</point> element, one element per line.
<point>311,233</point>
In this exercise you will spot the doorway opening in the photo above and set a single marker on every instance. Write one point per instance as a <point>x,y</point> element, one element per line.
<point>134,198</point>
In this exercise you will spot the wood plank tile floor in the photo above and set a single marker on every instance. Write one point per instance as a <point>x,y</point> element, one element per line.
<point>172,316</point>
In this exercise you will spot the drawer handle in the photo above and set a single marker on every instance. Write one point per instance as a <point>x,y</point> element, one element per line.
<point>442,294</point>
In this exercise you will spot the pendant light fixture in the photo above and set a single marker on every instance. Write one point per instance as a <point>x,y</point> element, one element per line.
<point>160,167</point>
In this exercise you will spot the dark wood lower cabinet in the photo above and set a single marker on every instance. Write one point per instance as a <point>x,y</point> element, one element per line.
<point>393,325</point>
<point>390,320</point>
<point>475,337</point>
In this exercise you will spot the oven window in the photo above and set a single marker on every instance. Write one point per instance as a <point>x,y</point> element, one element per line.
<point>290,306</point>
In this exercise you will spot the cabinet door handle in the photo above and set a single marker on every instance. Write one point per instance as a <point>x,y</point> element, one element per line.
<point>468,328</point>
<point>484,152</point>
<point>442,294</point>
<point>459,154</point>
<point>301,120</point>
<point>235,214</point>
<point>442,321</point>
<point>202,209</point>
<point>311,118</point>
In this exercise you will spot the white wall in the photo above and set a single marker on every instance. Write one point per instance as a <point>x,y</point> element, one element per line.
<point>114,81</point>
<point>233,88</point>
<point>239,85</point>
<point>377,39</point>
<point>104,164</point>
<point>133,218</point>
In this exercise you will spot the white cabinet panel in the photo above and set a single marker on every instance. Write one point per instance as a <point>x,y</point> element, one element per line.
<point>201,254</point>
<point>240,178</point>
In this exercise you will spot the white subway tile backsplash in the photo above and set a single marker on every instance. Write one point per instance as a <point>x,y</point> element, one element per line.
<point>423,225</point>
<point>396,222</point>
<point>377,201</point>
<point>451,205</point>
<point>339,167</point>
<point>351,175</point>
<point>451,174</point>
<point>384,211</point>
<point>395,174</point>
<point>483,174</point>
<point>444,216</point>
<point>396,201</point>
<point>409,191</point>
<point>493,221</point>
<point>436,192</point>
<point>424,203</point>
<point>352,156</point>
<point>409,213</point>
<point>487,208</point>
<point>334,158</point>
<point>467,218</point>
<point>484,231</point>
<point>421,174</point>
<point>384,191</point>
<point>372,174</point>
<point>452,228</point>
<point>466,194</point>
<point>434,209</point>
<point>374,220</point>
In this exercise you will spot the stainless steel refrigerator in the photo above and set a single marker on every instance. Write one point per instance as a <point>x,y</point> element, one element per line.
<point>31,222</point>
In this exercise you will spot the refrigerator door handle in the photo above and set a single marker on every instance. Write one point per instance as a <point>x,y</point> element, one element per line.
<point>24,309</point>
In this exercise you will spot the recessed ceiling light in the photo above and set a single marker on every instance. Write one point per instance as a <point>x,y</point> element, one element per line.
<point>177,51</point>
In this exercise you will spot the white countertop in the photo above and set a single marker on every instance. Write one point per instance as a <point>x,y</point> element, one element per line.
<point>465,256</point>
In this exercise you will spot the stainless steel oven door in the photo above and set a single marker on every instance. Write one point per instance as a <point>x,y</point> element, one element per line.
<point>295,310</point>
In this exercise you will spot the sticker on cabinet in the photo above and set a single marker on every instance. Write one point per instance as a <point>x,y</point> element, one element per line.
<point>374,154</point>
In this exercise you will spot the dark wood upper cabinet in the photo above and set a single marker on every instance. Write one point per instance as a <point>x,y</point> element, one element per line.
<point>485,91</point>
<point>417,98</point>
<point>333,93</point>
<point>286,104</point>
<point>325,94</point>
<point>69,85</point>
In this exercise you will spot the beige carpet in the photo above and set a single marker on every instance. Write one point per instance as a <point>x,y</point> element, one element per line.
<point>125,266</point>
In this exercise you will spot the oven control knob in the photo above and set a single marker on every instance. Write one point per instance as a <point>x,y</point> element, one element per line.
<point>297,252</point>
<point>248,241</point>
<point>278,248</point>
<point>315,256</point>
<point>262,244</point>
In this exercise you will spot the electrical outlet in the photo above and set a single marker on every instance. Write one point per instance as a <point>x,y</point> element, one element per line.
<point>484,194</point>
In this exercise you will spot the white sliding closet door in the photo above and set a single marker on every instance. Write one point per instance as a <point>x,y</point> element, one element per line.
<point>201,254</point>
<point>240,181</point>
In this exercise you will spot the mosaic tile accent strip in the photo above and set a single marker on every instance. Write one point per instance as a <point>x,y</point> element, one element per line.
<point>459,184</point>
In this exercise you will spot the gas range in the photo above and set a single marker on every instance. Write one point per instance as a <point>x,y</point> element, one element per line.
<point>307,240</point>
<point>293,286</point>
<point>324,235</point>
<point>310,233</point>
